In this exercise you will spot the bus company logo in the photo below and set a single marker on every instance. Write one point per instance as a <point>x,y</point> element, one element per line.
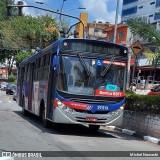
<point>6,154</point>
<point>89,108</point>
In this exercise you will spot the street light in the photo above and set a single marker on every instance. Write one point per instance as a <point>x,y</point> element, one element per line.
<point>75,9</point>
<point>52,11</point>
<point>61,8</point>
<point>46,5</point>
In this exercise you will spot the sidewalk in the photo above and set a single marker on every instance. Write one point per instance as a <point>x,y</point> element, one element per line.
<point>135,134</point>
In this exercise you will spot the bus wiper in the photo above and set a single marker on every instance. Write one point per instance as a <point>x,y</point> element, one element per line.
<point>81,59</point>
<point>107,67</point>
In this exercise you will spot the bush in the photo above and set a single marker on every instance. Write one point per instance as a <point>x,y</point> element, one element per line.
<point>145,103</point>
<point>12,78</point>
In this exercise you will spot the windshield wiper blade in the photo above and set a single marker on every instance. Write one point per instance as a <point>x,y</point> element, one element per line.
<point>81,59</point>
<point>107,67</point>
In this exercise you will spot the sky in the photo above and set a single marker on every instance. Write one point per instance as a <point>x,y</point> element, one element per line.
<point>98,10</point>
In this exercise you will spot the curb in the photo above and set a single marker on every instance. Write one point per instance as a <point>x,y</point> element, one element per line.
<point>138,135</point>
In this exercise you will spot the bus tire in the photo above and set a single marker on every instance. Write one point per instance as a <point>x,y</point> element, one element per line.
<point>45,122</point>
<point>24,112</point>
<point>94,128</point>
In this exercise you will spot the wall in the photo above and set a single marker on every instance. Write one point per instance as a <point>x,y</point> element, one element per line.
<point>120,28</point>
<point>148,124</point>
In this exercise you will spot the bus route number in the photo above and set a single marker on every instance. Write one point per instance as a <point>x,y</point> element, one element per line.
<point>102,108</point>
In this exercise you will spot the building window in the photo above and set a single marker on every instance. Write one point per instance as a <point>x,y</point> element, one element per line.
<point>96,30</point>
<point>157,3</point>
<point>121,34</point>
<point>157,16</point>
<point>152,3</point>
<point>140,7</point>
<point>111,38</point>
<point>129,11</point>
<point>128,1</point>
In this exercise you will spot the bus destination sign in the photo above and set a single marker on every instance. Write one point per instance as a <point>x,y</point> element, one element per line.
<point>93,47</point>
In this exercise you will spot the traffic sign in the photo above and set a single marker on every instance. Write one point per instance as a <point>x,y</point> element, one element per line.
<point>136,47</point>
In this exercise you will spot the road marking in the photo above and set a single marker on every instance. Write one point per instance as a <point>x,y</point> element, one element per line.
<point>10,101</point>
<point>0,101</point>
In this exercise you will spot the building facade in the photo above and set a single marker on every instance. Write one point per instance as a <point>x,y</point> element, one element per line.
<point>93,30</point>
<point>149,10</point>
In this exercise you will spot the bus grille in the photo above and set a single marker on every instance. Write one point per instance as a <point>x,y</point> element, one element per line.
<point>89,112</point>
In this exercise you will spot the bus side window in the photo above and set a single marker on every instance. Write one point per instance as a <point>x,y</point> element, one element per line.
<point>47,62</point>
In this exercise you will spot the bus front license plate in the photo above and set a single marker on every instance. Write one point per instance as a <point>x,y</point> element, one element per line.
<point>91,119</point>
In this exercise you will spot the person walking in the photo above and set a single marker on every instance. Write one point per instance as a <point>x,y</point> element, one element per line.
<point>143,81</point>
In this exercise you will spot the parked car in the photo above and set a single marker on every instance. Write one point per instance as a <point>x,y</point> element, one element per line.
<point>3,86</point>
<point>10,89</point>
<point>155,91</point>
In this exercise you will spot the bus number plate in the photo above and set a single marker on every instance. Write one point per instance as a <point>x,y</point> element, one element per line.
<point>91,119</point>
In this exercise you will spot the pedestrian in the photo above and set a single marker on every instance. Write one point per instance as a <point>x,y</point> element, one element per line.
<point>143,81</point>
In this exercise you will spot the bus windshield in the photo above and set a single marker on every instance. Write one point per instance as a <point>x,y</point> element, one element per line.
<point>72,77</point>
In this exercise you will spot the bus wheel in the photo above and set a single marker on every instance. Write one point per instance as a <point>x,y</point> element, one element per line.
<point>94,128</point>
<point>24,112</point>
<point>45,122</point>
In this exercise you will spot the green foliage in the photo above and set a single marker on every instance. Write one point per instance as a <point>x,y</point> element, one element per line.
<point>28,32</point>
<point>22,56</point>
<point>148,32</point>
<point>12,78</point>
<point>144,30</point>
<point>145,103</point>
<point>3,9</point>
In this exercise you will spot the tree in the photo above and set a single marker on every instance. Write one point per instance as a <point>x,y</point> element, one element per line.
<point>31,32</point>
<point>12,78</point>
<point>22,56</point>
<point>3,9</point>
<point>27,33</point>
<point>146,31</point>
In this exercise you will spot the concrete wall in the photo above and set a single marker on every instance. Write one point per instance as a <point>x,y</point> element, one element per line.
<point>148,124</point>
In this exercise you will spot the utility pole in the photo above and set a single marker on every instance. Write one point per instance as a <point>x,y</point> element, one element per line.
<point>60,17</point>
<point>129,61</point>
<point>116,21</point>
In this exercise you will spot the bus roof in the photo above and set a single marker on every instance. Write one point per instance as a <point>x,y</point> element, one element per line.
<point>55,45</point>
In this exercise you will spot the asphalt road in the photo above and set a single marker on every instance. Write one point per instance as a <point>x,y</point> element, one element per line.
<point>19,133</point>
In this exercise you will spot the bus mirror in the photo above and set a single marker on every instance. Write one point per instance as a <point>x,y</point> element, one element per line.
<point>55,61</point>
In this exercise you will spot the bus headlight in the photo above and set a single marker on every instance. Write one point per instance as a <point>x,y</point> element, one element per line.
<point>63,106</point>
<point>116,112</point>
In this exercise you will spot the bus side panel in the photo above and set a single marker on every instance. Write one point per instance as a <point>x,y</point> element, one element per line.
<point>19,96</point>
<point>25,94</point>
<point>39,95</point>
<point>35,99</point>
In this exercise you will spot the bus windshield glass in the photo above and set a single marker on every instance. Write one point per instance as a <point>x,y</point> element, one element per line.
<point>72,77</point>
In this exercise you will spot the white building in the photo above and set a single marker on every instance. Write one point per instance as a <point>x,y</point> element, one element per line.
<point>148,9</point>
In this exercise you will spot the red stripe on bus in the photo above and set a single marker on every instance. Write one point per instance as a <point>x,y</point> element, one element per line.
<point>75,105</point>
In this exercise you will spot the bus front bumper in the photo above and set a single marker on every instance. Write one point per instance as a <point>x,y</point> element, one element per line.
<point>72,117</point>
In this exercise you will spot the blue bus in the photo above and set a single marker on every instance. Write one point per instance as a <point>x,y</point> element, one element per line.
<point>75,81</point>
